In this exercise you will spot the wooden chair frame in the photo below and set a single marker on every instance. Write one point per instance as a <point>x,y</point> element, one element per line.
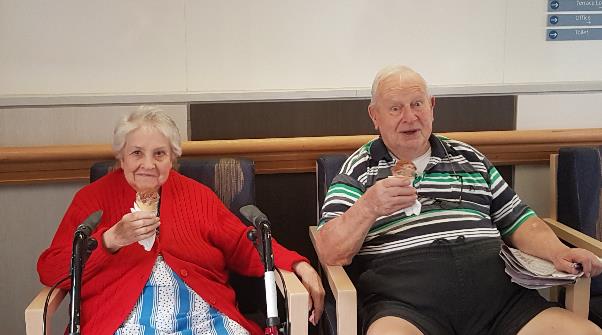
<point>343,290</point>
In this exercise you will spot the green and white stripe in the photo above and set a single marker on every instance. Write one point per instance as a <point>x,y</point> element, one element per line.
<point>489,207</point>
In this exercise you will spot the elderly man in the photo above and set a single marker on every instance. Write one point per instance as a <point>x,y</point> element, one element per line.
<point>424,250</point>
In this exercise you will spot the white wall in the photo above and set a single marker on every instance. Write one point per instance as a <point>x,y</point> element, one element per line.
<point>30,216</point>
<point>551,111</point>
<point>153,46</point>
<point>57,125</point>
<point>70,46</point>
<point>266,44</point>
<point>529,58</point>
<point>548,111</point>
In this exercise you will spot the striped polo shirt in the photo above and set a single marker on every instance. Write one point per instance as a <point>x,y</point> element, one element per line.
<point>461,193</point>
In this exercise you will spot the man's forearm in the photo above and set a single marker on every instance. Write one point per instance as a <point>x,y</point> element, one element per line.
<point>536,238</point>
<point>342,237</point>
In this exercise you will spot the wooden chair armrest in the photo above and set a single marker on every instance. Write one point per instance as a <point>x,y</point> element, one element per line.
<point>575,237</point>
<point>343,291</point>
<point>577,295</point>
<point>298,302</point>
<point>34,312</point>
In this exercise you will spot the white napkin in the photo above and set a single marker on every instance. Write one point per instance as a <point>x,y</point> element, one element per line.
<point>148,242</point>
<point>416,206</point>
<point>414,209</point>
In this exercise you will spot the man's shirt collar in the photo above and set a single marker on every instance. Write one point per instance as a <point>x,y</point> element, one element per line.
<point>379,151</point>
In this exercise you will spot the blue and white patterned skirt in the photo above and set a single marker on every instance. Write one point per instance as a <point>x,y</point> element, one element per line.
<point>168,306</point>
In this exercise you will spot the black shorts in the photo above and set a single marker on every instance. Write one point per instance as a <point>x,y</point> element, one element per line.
<point>447,287</point>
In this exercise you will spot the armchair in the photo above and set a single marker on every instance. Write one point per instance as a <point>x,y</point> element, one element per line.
<point>576,181</point>
<point>340,302</point>
<point>341,299</point>
<point>233,180</point>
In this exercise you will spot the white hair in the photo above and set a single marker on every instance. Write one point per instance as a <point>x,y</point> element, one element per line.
<point>147,117</point>
<point>402,71</point>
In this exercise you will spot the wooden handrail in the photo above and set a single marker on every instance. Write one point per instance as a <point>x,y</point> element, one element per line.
<point>285,155</point>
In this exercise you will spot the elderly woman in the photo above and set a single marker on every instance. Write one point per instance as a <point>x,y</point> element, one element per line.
<point>140,281</point>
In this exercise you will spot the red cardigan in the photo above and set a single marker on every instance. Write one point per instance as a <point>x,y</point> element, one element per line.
<point>199,239</point>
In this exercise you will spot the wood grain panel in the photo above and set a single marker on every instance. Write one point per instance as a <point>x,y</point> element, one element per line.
<point>268,119</point>
<point>286,155</point>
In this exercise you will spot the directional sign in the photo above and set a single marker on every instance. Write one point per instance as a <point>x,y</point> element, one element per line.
<point>574,5</point>
<point>574,20</point>
<point>574,34</point>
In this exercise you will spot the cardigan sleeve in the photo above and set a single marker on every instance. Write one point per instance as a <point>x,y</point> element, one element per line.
<point>55,262</point>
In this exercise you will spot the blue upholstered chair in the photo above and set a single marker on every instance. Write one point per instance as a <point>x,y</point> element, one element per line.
<point>578,183</point>
<point>233,180</point>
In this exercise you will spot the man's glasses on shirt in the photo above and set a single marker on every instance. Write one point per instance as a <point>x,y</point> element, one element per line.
<point>445,203</point>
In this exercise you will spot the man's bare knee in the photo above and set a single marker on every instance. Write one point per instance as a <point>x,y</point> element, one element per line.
<point>559,321</point>
<point>390,325</point>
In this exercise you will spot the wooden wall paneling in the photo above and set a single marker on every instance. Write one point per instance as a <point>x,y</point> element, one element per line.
<point>485,113</point>
<point>285,155</point>
<point>233,120</point>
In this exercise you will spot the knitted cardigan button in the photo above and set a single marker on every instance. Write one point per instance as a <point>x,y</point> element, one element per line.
<point>184,272</point>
